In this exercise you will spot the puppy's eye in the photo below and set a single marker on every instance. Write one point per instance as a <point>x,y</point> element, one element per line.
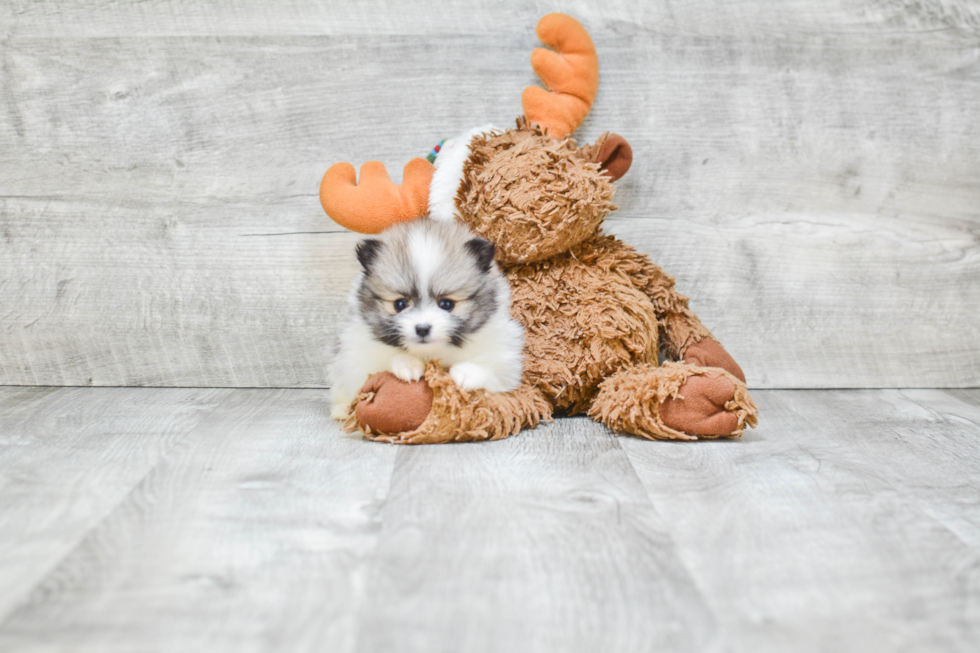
<point>400,305</point>
<point>447,304</point>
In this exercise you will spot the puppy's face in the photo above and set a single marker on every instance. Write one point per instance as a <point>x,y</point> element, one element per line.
<point>426,286</point>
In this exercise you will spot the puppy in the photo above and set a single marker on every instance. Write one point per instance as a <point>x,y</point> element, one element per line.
<point>428,290</point>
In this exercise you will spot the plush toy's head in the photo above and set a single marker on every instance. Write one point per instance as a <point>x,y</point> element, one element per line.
<point>531,195</point>
<point>531,190</point>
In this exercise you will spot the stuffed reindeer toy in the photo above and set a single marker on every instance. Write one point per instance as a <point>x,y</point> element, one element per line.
<point>596,313</point>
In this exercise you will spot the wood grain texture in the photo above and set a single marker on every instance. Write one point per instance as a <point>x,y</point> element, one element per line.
<point>856,300</point>
<point>180,520</point>
<point>253,534</point>
<point>545,542</point>
<point>848,515</point>
<point>161,300</point>
<point>969,396</point>
<point>68,458</point>
<point>809,174</point>
<point>90,18</point>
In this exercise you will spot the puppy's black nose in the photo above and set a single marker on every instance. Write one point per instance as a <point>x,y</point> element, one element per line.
<point>423,330</point>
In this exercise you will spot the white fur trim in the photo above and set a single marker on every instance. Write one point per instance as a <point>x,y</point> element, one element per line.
<point>449,173</point>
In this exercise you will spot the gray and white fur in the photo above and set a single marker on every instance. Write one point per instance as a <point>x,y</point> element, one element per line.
<point>428,290</point>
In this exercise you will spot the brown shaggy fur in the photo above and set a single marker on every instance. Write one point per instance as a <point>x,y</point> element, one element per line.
<point>461,416</point>
<point>650,386</point>
<point>596,312</point>
<point>588,313</point>
<point>530,195</point>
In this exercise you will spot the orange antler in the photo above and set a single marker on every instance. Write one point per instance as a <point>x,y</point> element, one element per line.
<point>571,73</point>
<point>375,203</point>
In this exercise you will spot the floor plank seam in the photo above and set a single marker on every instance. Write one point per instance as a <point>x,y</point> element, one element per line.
<point>83,536</point>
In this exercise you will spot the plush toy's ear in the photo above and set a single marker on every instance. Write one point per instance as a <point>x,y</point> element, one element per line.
<point>375,203</point>
<point>570,70</point>
<point>615,156</point>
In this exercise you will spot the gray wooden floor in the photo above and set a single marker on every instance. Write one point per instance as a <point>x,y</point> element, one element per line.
<point>138,519</point>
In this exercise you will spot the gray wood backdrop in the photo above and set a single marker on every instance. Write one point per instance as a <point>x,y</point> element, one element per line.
<point>808,169</point>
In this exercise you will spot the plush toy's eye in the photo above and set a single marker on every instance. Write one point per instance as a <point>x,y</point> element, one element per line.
<point>400,305</point>
<point>447,304</point>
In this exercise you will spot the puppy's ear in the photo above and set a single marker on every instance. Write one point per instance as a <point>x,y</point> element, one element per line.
<point>367,251</point>
<point>483,251</point>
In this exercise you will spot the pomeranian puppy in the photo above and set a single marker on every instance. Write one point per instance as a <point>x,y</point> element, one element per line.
<point>428,290</point>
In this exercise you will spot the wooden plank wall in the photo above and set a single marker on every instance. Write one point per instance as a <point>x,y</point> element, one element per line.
<point>810,173</point>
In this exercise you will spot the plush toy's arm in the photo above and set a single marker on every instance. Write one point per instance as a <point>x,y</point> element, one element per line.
<point>679,326</point>
<point>445,412</point>
<point>682,335</point>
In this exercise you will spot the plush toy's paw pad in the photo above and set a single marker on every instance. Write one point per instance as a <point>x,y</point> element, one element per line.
<point>701,407</point>
<point>407,367</point>
<point>470,376</point>
<point>395,406</point>
<point>709,353</point>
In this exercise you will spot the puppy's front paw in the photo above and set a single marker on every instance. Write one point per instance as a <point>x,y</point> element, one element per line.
<point>407,368</point>
<point>470,376</point>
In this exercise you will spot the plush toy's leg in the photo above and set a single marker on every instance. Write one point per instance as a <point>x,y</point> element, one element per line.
<point>436,410</point>
<point>708,352</point>
<point>676,401</point>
